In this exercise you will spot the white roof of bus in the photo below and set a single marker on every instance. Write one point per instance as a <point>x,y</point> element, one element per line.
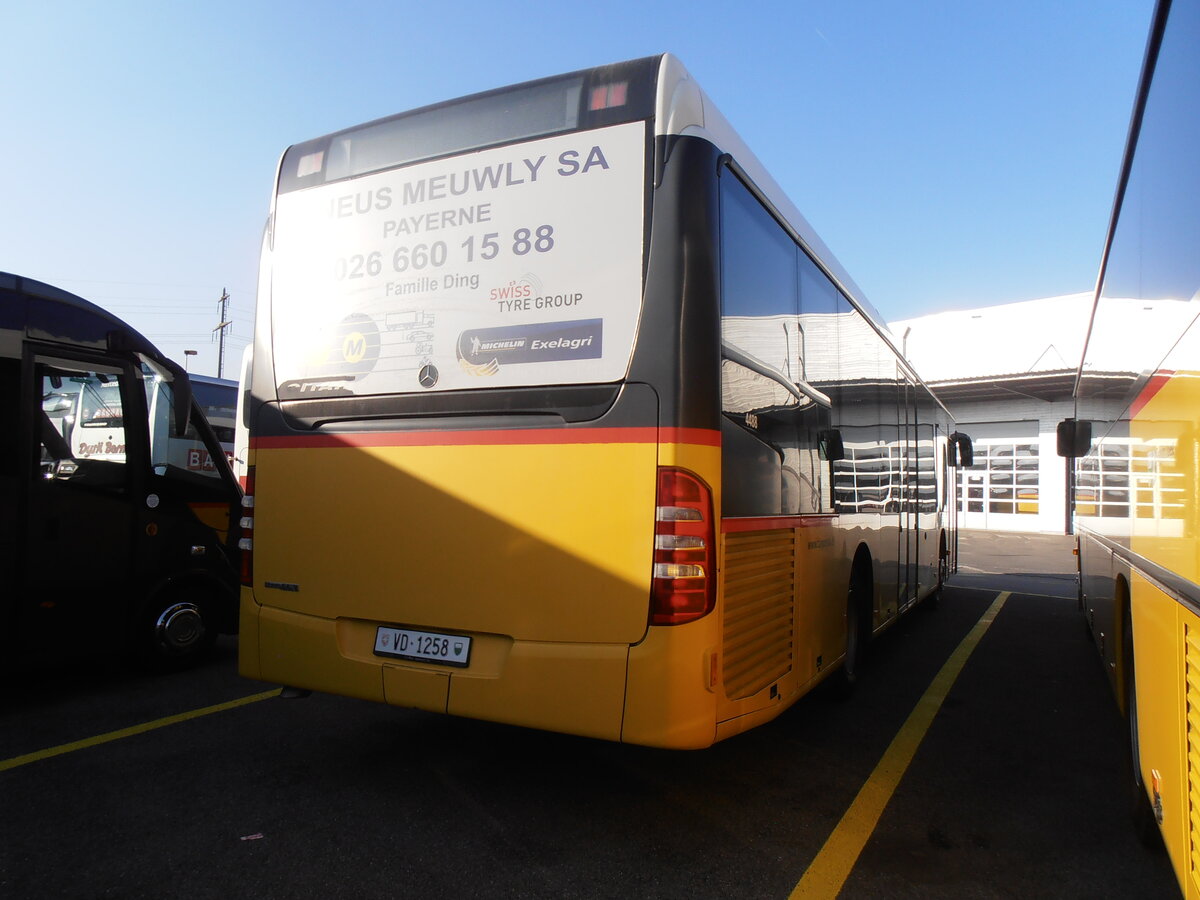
<point>1042,335</point>
<point>684,109</point>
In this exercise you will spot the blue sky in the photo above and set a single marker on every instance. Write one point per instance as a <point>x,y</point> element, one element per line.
<point>951,154</point>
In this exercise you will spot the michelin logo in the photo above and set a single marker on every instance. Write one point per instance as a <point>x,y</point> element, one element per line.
<point>478,346</point>
<point>483,351</point>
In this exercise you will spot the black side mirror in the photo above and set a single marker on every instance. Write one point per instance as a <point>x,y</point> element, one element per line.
<point>830,445</point>
<point>1074,438</point>
<point>962,451</point>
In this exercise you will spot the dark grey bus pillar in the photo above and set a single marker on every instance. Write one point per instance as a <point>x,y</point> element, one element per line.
<point>124,340</point>
<point>1074,441</point>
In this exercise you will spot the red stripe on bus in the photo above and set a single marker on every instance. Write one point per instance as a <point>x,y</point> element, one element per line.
<point>1156,383</point>
<point>773,523</point>
<point>703,436</point>
<point>523,436</point>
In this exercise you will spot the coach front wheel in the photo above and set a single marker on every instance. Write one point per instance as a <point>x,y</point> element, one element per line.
<point>177,628</point>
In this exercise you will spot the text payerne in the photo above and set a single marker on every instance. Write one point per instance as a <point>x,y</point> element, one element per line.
<point>434,221</point>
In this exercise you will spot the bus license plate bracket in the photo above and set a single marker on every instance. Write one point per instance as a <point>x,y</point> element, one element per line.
<point>423,646</point>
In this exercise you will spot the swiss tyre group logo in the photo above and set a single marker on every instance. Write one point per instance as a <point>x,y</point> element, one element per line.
<point>483,351</point>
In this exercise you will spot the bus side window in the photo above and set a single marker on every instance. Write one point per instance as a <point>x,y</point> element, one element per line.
<point>171,452</point>
<point>764,343</point>
<point>80,427</point>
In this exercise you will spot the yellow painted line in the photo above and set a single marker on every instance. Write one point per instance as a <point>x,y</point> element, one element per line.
<point>832,866</point>
<point>132,730</point>
<point>961,587</point>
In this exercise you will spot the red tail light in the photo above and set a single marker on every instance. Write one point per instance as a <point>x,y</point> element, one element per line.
<point>608,96</point>
<point>684,583</point>
<point>246,543</point>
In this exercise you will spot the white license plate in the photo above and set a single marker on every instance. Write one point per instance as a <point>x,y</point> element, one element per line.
<point>423,646</point>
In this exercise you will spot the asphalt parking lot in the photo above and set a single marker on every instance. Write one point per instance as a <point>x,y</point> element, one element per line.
<point>113,785</point>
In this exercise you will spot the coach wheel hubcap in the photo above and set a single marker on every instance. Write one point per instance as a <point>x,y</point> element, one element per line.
<point>180,627</point>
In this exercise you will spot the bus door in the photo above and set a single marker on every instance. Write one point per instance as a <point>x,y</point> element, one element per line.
<point>78,541</point>
<point>11,485</point>
<point>926,499</point>
<point>910,459</point>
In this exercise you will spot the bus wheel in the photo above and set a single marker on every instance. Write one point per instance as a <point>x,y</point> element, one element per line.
<point>1145,823</point>
<point>858,627</point>
<point>177,628</point>
<point>943,572</point>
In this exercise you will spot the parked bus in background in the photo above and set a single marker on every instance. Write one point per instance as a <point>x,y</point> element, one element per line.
<point>115,496</point>
<point>217,399</point>
<point>1137,484</point>
<point>241,430</point>
<point>563,416</point>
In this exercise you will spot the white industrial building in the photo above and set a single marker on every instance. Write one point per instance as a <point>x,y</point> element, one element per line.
<point>1006,373</point>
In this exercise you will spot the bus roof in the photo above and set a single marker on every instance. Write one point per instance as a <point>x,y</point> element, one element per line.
<point>683,108</point>
<point>213,380</point>
<point>56,316</point>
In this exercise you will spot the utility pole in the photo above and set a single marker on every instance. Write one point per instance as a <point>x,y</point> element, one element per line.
<point>224,323</point>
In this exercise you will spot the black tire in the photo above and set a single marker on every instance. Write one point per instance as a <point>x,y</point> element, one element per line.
<point>943,572</point>
<point>1080,599</point>
<point>858,629</point>
<point>177,628</point>
<point>1145,822</point>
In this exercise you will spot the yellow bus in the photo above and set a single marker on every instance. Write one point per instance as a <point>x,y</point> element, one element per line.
<point>562,416</point>
<point>1137,436</point>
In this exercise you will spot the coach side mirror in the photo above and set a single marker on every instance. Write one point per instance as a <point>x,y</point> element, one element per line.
<point>962,451</point>
<point>1074,438</point>
<point>830,445</point>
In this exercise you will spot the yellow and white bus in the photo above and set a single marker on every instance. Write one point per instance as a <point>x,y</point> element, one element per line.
<point>1137,484</point>
<point>563,416</point>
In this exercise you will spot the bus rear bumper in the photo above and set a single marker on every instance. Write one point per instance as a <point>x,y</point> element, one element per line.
<point>672,696</point>
<point>575,688</point>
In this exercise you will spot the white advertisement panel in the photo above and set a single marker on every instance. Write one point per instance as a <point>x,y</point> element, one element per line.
<point>520,265</point>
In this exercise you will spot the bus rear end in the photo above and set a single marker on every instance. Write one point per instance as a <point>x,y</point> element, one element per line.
<point>460,493</point>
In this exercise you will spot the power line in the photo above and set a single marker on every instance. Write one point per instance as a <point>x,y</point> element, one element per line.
<point>201,287</point>
<point>220,329</point>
